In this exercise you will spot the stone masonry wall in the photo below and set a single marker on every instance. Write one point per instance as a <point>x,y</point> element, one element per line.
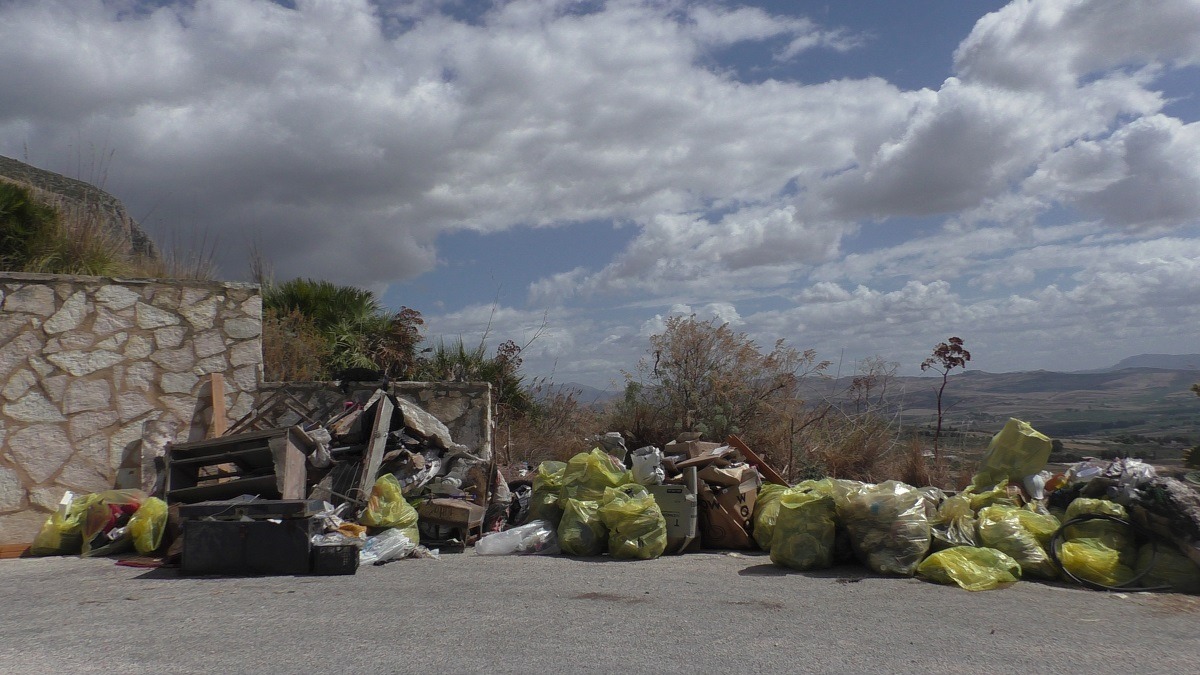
<point>85,362</point>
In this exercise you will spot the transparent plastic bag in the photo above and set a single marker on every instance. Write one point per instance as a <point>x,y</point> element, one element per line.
<point>547,485</point>
<point>636,527</point>
<point>533,537</point>
<point>1017,451</point>
<point>954,524</point>
<point>1171,568</point>
<point>391,544</point>
<point>766,511</point>
<point>974,569</point>
<point>1023,535</point>
<point>589,474</point>
<point>105,526</point>
<point>1112,534</point>
<point>148,525</point>
<point>581,530</point>
<point>803,536</point>
<point>888,526</point>
<point>62,533</point>
<point>387,507</point>
<point>1091,560</point>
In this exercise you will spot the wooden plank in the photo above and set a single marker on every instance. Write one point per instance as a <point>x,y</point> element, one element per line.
<point>216,386</point>
<point>373,456</point>
<point>14,551</point>
<point>263,486</point>
<point>290,472</point>
<point>754,460</point>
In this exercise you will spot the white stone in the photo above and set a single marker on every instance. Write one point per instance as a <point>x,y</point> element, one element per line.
<point>33,407</point>
<point>130,405</point>
<point>139,347</point>
<point>253,306</point>
<point>139,376</point>
<point>150,317</point>
<point>39,365</point>
<point>241,406</point>
<point>56,388</point>
<point>11,491</point>
<point>117,297</point>
<point>180,408</point>
<point>46,497</point>
<point>40,450</point>
<point>77,341</point>
<point>192,296</point>
<point>88,424</point>
<point>15,352</point>
<point>85,477</point>
<point>209,343</point>
<point>114,342</point>
<point>107,322</point>
<point>10,325</point>
<point>18,384</point>
<point>201,315</point>
<point>32,299</point>
<point>243,328</point>
<point>69,316</point>
<point>178,383</point>
<point>246,353</point>
<point>213,364</point>
<point>246,378</point>
<point>85,363</point>
<point>52,346</point>
<point>85,395</point>
<point>166,297</point>
<point>125,447</point>
<point>174,360</point>
<point>170,337</point>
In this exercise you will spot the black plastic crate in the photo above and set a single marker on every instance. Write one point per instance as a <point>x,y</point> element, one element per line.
<point>248,547</point>
<point>341,559</point>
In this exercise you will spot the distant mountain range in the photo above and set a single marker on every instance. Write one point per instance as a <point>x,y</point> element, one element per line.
<point>1147,394</point>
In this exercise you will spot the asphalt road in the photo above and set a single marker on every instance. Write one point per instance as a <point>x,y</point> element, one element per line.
<point>707,612</point>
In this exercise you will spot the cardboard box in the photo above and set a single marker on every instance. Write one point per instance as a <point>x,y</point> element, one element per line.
<point>738,500</point>
<point>719,528</point>
<point>679,507</point>
<point>690,448</point>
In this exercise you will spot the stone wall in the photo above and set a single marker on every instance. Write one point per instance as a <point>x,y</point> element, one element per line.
<point>85,362</point>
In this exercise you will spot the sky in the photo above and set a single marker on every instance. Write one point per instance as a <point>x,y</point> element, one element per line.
<point>860,178</point>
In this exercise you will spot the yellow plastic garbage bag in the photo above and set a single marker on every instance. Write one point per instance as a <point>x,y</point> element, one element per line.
<point>106,524</point>
<point>387,507</point>
<point>581,530</point>
<point>1017,451</point>
<point>1171,568</point>
<point>888,526</point>
<point>1112,534</point>
<point>547,484</point>
<point>1023,535</point>
<point>148,524</point>
<point>589,474</point>
<point>803,537</point>
<point>954,524</point>
<point>1090,560</point>
<point>974,569</point>
<point>991,497</point>
<point>766,511</point>
<point>636,527</point>
<point>62,534</point>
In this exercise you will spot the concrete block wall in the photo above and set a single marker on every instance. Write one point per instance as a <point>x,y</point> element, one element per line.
<point>86,362</point>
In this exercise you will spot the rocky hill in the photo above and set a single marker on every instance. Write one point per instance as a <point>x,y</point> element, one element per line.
<point>80,202</point>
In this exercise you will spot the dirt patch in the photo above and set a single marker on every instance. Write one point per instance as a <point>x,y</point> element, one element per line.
<point>609,597</point>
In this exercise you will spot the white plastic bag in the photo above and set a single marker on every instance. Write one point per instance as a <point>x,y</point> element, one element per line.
<point>647,466</point>
<point>391,544</point>
<point>533,537</point>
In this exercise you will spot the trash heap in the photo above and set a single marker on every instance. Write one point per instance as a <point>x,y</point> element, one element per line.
<point>378,481</point>
<point>1104,525</point>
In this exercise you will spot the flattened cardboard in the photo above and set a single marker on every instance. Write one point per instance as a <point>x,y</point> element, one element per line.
<point>719,529</point>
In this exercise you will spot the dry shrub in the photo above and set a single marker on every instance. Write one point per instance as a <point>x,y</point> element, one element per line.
<point>556,427</point>
<point>294,350</point>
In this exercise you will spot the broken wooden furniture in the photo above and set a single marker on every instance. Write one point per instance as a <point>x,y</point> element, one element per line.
<point>268,463</point>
